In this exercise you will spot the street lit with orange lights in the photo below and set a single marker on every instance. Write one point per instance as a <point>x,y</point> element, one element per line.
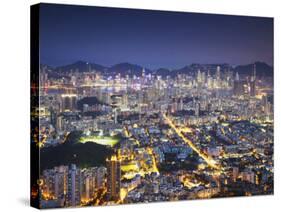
<point>206,158</point>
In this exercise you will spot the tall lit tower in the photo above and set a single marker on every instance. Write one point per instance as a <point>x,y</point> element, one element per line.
<point>218,76</point>
<point>68,101</point>
<point>113,178</point>
<point>125,100</point>
<point>142,81</point>
<point>237,85</point>
<point>181,104</point>
<point>115,116</point>
<point>237,77</point>
<point>253,82</point>
<point>143,73</point>
<point>199,77</point>
<point>73,186</point>
<point>197,109</point>
<point>218,73</point>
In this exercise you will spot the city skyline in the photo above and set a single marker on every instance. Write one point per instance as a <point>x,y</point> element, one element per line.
<point>111,133</point>
<point>153,69</point>
<point>153,39</point>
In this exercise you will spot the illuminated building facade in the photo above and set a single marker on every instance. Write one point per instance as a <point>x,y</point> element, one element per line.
<point>113,178</point>
<point>73,186</point>
<point>68,102</point>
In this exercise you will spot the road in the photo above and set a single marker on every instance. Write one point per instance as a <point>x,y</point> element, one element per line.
<point>209,160</point>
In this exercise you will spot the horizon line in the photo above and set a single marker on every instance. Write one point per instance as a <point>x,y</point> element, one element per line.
<point>159,67</point>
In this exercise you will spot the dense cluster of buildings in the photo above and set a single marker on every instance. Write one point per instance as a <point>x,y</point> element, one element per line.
<point>203,135</point>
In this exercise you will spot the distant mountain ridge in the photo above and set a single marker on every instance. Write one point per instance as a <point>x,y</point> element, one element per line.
<point>262,69</point>
<point>127,69</point>
<point>80,66</point>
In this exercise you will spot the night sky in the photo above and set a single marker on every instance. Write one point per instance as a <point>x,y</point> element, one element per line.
<point>152,39</point>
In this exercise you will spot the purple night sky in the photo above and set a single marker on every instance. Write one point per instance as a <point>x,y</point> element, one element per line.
<point>149,38</point>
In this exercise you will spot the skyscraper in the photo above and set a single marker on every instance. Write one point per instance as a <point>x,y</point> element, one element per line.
<point>218,73</point>
<point>59,185</point>
<point>59,123</point>
<point>218,77</point>
<point>237,88</point>
<point>199,77</point>
<point>53,117</point>
<point>73,186</point>
<point>113,178</point>
<point>100,175</point>
<point>181,104</point>
<point>68,102</point>
<point>253,82</point>
<point>88,184</point>
<point>266,105</point>
<point>125,100</point>
<point>115,116</point>
<point>197,109</point>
